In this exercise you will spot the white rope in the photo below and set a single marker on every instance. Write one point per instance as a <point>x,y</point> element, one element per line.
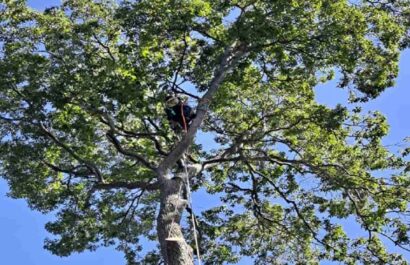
<point>188,187</point>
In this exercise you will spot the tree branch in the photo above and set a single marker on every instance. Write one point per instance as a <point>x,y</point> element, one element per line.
<point>105,47</point>
<point>72,171</point>
<point>229,59</point>
<point>293,204</point>
<point>136,199</point>
<point>127,185</point>
<point>125,152</point>
<point>181,63</point>
<point>93,168</point>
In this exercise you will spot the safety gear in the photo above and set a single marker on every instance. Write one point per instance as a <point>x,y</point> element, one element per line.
<point>171,101</point>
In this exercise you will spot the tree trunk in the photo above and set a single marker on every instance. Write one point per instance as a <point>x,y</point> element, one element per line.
<point>174,249</point>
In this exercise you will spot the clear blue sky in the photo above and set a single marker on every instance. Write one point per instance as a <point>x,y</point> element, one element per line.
<point>22,230</point>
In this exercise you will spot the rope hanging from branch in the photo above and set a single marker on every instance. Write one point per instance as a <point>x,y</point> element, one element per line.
<point>189,197</point>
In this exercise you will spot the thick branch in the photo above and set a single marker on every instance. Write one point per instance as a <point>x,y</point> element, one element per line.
<point>127,185</point>
<point>229,59</point>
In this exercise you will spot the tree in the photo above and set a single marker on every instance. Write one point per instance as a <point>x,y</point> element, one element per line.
<point>84,134</point>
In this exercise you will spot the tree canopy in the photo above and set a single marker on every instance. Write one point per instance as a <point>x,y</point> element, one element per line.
<point>84,134</point>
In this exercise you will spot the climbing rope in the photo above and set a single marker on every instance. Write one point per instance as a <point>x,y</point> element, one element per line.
<point>188,191</point>
<point>189,198</point>
<point>183,117</point>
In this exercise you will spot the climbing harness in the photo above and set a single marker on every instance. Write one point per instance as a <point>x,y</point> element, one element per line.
<point>179,113</point>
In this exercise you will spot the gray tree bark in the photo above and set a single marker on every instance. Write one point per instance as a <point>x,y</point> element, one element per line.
<point>174,248</point>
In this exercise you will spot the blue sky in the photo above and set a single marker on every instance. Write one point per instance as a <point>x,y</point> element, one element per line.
<point>22,230</point>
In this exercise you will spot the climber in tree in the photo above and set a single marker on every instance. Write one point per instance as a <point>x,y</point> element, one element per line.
<point>179,113</point>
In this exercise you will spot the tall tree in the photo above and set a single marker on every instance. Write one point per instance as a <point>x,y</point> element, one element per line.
<point>84,134</point>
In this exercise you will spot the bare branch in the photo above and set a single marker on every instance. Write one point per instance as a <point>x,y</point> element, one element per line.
<point>120,185</point>
<point>72,171</point>
<point>292,203</point>
<point>129,153</point>
<point>93,168</point>
<point>181,63</point>
<point>105,47</point>
<point>197,28</point>
<point>135,200</point>
<point>120,130</point>
<point>178,89</point>
<point>157,143</point>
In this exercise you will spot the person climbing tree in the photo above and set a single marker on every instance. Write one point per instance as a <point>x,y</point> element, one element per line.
<point>283,175</point>
<point>179,113</point>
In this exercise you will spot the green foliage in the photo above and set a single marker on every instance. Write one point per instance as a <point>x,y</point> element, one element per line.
<point>82,87</point>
